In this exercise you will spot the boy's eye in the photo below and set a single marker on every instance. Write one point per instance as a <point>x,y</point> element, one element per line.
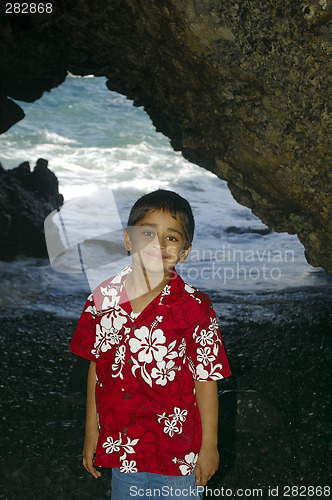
<point>172,238</point>
<point>148,233</point>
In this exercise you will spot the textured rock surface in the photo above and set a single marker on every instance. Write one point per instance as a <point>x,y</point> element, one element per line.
<point>241,88</point>
<point>26,199</point>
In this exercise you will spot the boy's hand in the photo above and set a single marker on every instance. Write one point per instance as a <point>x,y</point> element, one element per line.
<point>207,464</point>
<point>90,445</point>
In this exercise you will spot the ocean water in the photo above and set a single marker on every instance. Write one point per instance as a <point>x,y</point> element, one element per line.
<point>106,153</point>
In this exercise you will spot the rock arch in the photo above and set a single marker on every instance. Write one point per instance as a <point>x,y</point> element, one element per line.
<point>241,88</point>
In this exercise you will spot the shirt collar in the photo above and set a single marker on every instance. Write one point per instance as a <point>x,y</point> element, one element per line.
<point>170,296</point>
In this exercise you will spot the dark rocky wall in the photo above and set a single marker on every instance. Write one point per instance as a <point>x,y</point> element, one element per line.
<point>26,199</point>
<point>241,88</point>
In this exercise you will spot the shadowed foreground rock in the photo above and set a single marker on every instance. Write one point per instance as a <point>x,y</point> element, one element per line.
<point>26,199</point>
<point>241,88</point>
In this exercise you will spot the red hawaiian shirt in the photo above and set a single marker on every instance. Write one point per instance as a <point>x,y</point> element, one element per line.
<point>146,367</point>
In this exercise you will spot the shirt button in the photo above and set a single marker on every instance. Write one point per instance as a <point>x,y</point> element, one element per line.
<point>127,396</point>
<point>125,430</point>
<point>130,362</point>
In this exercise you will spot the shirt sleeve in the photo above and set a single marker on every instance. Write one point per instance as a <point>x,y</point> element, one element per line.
<point>83,339</point>
<point>205,349</point>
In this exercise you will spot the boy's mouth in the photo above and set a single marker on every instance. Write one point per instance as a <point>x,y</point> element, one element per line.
<point>156,255</point>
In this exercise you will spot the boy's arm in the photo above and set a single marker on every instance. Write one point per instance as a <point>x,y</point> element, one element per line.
<point>91,424</point>
<point>208,458</point>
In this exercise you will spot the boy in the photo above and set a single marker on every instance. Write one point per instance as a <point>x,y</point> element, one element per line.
<point>155,355</point>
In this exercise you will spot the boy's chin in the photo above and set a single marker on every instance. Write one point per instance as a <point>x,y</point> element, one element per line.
<point>158,269</point>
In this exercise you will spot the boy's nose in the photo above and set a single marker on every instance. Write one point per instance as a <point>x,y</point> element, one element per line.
<point>158,242</point>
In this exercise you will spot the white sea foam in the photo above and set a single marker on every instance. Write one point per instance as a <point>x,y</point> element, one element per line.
<point>53,138</point>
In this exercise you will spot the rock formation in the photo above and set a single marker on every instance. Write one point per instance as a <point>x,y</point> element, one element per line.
<point>241,88</point>
<point>26,199</point>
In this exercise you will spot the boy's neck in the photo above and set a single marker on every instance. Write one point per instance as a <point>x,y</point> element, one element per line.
<point>140,283</point>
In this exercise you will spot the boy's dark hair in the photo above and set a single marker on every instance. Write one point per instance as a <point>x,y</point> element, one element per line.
<point>163,199</point>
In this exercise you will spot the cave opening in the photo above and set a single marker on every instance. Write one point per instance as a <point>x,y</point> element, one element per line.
<point>96,140</point>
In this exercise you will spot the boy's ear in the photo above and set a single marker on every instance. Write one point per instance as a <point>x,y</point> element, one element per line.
<point>184,254</point>
<point>127,243</point>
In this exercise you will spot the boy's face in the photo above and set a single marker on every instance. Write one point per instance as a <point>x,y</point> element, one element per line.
<point>157,242</point>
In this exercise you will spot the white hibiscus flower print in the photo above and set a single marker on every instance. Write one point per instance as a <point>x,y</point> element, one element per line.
<point>189,288</point>
<point>204,337</point>
<point>127,467</point>
<point>192,291</point>
<point>112,446</point>
<point>173,422</point>
<point>120,354</point>
<point>91,308</point>
<point>149,344</point>
<point>163,373</point>
<point>213,374</point>
<point>107,332</point>
<point>213,326</point>
<point>166,291</point>
<point>113,321</point>
<point>111,297</point>
<point>201,373</point>
<point>188,464</point>
<point>171,427</point>
<point>119,358</point>
<point>205,356</point>
<point>179,415</point>
<point>182,348</point>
